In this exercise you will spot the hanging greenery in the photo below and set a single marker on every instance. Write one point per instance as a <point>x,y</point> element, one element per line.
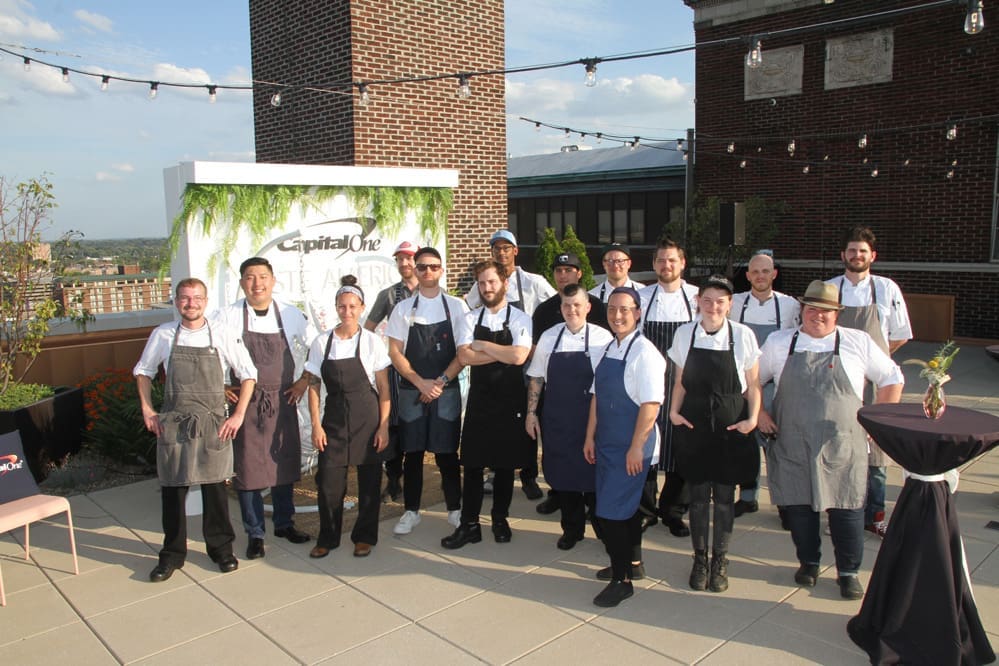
<point>230,212</point>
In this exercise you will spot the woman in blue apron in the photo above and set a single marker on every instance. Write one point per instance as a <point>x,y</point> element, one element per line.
<point>353,427</point>
<point>621,438</point>
<point>716,399</point>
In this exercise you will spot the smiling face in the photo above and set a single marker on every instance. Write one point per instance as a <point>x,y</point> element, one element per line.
<point>574,310</point>
<point>616,266</point>
<point>714,305</point>
<point>858,257</point>
<point>818,322</point>
<point>761,273</point>
<point>405,264</point>
<point>492,288</point>
<point>505,254</point>
<point>622,315</point>
<point>190,303</point>
<point>349,308</point>
<point>669,265</point>
<point>258,286</point>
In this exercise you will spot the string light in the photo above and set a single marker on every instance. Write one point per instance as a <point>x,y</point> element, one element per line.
<point>974,22</point>
<point>952,132</point>
<point>731,148</point>
<point>805,169</point>
<point>862,142</point>
<point>537,127</point>
<point>634,144</point>
<point>212,94</point>
<point>590,79</point>
<point>755,56</point>
<point>276,99</point>
<point>600,137</point>
<point>874,171</point>
<point>568,134</point>
<point>105,81</point>
<point>742,164</point>
<point>65,74</point>
<point>363,96</point>
<point>790,147</point>
<point>464,86</point>
<point>154,89</point>
<point>950,174</point>
<point>27,64</point>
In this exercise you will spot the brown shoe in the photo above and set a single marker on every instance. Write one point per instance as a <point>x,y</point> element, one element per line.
<point>362,549</point>
<point>319,551</point>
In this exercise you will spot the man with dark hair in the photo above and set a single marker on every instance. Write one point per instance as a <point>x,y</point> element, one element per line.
<point>423,331</point>
<point>385,302</point>
<point>874,304</point>
<point>666,305</point>
<point>616,259</point>
<point>267,452</point>
<point>192,428</point>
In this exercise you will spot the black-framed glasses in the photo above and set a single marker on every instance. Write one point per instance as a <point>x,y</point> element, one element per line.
<point>616,262</point>
<point>423,268</point>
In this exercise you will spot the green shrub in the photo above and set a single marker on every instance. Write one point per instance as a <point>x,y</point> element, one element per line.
<point>20,395</point>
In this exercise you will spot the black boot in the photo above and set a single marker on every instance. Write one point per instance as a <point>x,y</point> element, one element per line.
<point>699,572</point>
<point>719,573</point>
<point>466,533</point>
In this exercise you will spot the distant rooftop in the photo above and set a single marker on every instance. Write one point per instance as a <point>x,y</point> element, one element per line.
<point>655,156</point>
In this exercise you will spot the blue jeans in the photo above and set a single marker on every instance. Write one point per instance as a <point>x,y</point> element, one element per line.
<point>251,506</point>
<point>877,479</point>
<point>847,527</point>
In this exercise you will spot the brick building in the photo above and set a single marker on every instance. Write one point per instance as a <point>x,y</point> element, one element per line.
<point>422,124</point>
<point>103,294</point>
<point>902,77</point>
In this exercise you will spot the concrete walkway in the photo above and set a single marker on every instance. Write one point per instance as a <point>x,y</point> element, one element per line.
<point>413,602</point>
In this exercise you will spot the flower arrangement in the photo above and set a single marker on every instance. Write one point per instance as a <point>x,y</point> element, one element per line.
<point>935,371</point>
<point>114,425</point>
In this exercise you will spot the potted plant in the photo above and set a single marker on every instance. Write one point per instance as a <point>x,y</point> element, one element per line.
<point>49,419</point>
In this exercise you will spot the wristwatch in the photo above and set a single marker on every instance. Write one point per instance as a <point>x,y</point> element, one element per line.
<point>444,378</point>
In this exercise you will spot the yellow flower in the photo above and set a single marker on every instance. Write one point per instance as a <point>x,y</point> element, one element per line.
<point>934,363</point>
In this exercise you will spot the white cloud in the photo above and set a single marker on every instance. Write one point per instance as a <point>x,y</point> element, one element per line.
<point>95,21</point>
<point>105,177</point>
<point>124,166</point>
<point>17,22</point>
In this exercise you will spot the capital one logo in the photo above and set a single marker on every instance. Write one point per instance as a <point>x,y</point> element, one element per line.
<point>9,463</point>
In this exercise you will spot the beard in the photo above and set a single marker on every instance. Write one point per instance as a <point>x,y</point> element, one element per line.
<point>493,299</point>
<point>857,265</point>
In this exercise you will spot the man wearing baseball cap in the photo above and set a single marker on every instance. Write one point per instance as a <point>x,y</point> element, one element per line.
<point>819,370</point>
<point>524,290</point>
<point>617,262</point>
<point>380,311</point>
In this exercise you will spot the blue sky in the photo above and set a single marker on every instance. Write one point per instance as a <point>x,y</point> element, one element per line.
<point>105,151</point>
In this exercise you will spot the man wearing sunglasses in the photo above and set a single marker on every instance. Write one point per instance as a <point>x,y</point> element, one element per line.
<point>422,330</point>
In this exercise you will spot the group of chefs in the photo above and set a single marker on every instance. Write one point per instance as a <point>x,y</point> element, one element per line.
<point>615,385</point>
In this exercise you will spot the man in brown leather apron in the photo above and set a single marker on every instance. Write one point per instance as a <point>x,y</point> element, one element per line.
<point>874,304</point>
<point>192,428</point>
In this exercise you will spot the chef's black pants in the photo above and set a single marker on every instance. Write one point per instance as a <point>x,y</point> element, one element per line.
<point>331,484</point>
<point>412,479</point>
<point>576,507</point>
<point>471,498</point>
<point>724,515</point>
<point>623,542</point>
<point>215,524</point>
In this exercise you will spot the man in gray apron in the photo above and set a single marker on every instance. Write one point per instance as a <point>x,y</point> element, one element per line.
<point>874,304</point>
<point>818,461</point>
<point>192,428</point>
<point>764,311</point>
<point>267,452</point>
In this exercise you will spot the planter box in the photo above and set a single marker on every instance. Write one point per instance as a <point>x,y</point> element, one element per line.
<point>50,429</point>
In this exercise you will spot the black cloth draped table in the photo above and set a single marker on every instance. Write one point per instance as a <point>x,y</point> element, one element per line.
<point>919,607</point>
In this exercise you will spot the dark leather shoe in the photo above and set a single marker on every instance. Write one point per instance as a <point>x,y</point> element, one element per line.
<point>531,488</point>
<point>648,521</point>
<point>807,575</point>
<point>319,551</point>
<point>567,541</point>
<point>850,587</point>
<point>255,549</point>
<point>228,563</point>
<point>464,534</point>
<point>676,527</point>
<point>501,531</point>
<point>637,572</point>
<point>293,535</point>
<point>362,549</point>
<point>548,505</point>
<point>162,572</point>
<point>745,506</point>
<point>615,592</point>
<point>393,489</point>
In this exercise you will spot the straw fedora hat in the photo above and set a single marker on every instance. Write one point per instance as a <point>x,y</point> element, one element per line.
<point>821,295</point>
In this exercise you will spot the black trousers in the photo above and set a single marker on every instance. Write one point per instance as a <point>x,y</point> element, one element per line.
<point>471,499</point>
<point>623,542</point>
<point>674,499</point>
<point>331,484</point>
<point>393,465</point>
<point>576,508</point>
<point>530,470</point>
<point>701,495</point>
<point>412,479</point>
<point>215,524</point>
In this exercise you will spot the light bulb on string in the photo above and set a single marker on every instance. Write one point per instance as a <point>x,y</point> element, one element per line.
<point>874,171</point>
<point>974,21</point>
<point>590,79</point>
<point>582,137</point>
<point>634,144</point>
<point>27,64</point>
<point>791,147</point>
<point>907,162</point>
<point>65,75</point>
<point>953,163</point>
<point>805,169</point>
<point>952,132</point>
<point>363,96</point>
<point>464,86</point>
<point>154,89</point>
<point>825,158</point>
<point>759,149</point>
<point>276,99</point>
<point>742,164</point>
<point>731,148</point>
<point>864,161</point>
<point>679,144</point>
<point>600,137</point>
<point>862,142</point>
<point>537,127</point>
<point>212,94</point>
<point>755,56</point>
<point>105,82</point>
<point>568,134</point>
<point>950,174</point>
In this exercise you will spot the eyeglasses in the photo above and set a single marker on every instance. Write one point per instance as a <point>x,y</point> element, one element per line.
<point>623,309</point>
<point>191,299</point>
<point>616,262</point>
<point>503,249</point>
<point>423,268</point>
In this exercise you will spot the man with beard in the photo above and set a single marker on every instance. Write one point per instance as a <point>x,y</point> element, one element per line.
<point>384,303</point>
<point>764,311</point>
<point>423,333</point>
<point>496,343</point>
<point>193,426</point>
<point>267,452</point>
<point>617,263</point>
<point>562,366</point>
<point>818,458</point>
<point>874,304</point>
<point>666,305</point>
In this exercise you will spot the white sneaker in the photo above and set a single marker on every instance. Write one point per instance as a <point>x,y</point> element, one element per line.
<point>454,518</point>
<point>409,520</point>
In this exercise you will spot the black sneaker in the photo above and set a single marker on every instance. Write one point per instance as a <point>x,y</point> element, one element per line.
<point>850,587</point>
<point>615,592</point>
<point>637,572</point>
<point>746,506</point>
<point>807,575</point>
<point>531,488</point>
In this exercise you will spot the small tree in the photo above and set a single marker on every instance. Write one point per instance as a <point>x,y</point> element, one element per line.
<point>548,249</point>
<point>24,315</point>
<point>572,244</point>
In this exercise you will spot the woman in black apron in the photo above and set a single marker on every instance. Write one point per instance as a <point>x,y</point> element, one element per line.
<point>353,427</point>
<point>714,418</point>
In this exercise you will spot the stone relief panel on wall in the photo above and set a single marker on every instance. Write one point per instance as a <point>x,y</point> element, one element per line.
<point>859,60</point>
<point>778,76</point>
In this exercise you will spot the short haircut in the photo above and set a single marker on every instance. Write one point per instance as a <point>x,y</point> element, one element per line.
<point>427,250</point>
<point>859,235</point>
<point>670,244</point>
<point>255,261</point>
<point>571,290</point>
<point>485,265</point>
<point>190,282</point>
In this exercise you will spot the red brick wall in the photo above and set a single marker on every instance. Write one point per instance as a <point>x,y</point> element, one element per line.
<point>421,125</point>
<point>939,73</point>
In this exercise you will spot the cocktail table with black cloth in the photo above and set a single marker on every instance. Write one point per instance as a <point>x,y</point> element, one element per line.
<point>919,608</point>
